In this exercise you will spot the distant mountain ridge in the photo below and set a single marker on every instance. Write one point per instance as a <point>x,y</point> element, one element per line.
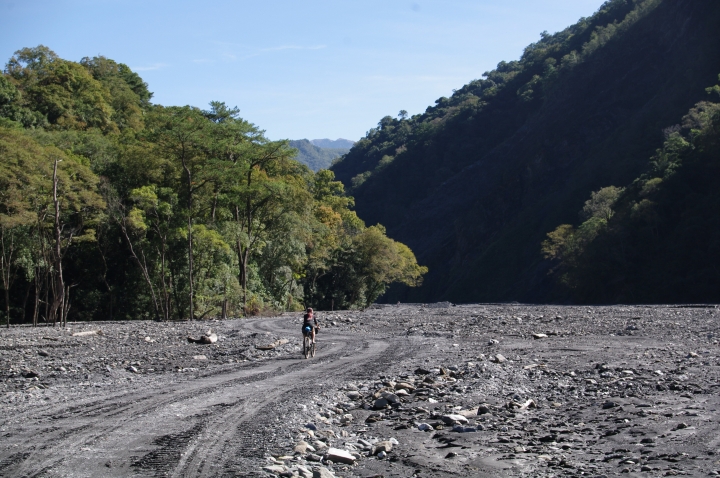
<point>339,143</point>
<point>474,184</point>
<point>318,157</point>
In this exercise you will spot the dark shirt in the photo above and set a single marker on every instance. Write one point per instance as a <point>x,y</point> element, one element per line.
<point>309,319</point>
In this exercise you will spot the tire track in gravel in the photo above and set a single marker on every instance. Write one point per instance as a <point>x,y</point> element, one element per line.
<point>242,443</point>
<point>191,428</point>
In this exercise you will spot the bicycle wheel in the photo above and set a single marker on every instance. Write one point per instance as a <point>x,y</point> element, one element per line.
<point>312,349</point>
<point>306,346</point>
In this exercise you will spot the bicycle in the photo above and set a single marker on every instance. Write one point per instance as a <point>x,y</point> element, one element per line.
<point>308,345</point>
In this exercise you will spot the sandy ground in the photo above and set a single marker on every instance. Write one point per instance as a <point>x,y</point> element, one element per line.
<point>408,390</point>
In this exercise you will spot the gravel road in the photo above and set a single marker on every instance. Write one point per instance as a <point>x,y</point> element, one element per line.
<point>407,390</point>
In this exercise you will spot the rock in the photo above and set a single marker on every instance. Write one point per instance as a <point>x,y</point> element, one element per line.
<point>383,446</point>
<point>390,397</point>
<point>609,404</point>
<point>313,457</point>
<point>404,386</point>
<point>421,371</point>
<point>302,448</point>
<point>277,469</point>
<point>271,346</point>
<point>43,353</point>
<point>346,419</point>
<point>462,429</point>
<point>452,419</point>
<point>382,455</point>
<point>483,409</point>
<point>499,359</point>
<point>680,426</point>
<point>132,369</point>
<point>87,333</point>
<point>29,374</point>
<point>493,342</point>
<point>380,403</point>
<point>204,339</point>
<point>468,413</point>
<point>200,357</point>
<point>375,417</point>
<point>311,426</point>
<point>337,455</point>
<point>425,427</point>
<point>322,472</point>
<point>353,395</point>
<point>303,472</point>
<point>539,336</point>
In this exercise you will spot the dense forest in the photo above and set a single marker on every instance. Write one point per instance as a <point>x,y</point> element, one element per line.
<point>475,183</point>
<point>112,207</point>
<point>316,157</point>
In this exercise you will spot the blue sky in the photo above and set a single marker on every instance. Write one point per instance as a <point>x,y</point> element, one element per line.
<point>298,69</point>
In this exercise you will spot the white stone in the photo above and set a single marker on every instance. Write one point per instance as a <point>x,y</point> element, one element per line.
<point>450,419</point>
<point>337,455</point>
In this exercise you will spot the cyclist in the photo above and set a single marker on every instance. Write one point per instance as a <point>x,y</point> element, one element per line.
<point>310,324</point>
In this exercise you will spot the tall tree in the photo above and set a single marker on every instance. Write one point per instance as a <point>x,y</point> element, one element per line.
<point>183,135</point>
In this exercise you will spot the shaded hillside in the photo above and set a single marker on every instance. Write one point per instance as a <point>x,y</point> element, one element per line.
<point>657,239</point>
<point>316,157</point>
<point>475,183</point>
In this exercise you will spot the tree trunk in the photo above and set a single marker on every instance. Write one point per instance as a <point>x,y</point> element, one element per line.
<point>7,308</point>
<point>36,309</point>
<point>24,305</point>
<point>190,265</point>
<point>190,243</point>
<point>59,292</point>
<point>6,270</point>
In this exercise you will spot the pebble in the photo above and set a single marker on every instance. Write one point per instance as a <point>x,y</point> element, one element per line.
<point>275,468</point>
<point>499,358</point>
<point>302,448</point>
<point>383,446</point>
<point>322,472</point>
<point>462,429</point>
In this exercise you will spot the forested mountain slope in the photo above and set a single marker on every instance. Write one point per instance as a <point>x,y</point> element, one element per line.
<point>475,183</point>
<point>316,157</point>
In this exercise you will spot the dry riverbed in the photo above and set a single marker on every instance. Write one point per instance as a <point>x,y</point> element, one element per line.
<point>407,390</point>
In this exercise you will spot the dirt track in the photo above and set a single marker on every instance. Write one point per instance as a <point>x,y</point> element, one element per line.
<point>630,390</point>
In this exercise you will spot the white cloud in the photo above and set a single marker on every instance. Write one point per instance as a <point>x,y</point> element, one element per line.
<point>156,66</point>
